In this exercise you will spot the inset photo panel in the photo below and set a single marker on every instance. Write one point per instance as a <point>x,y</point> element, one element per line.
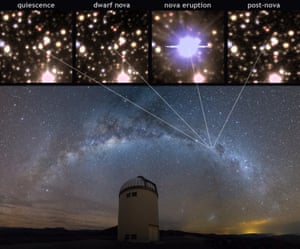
<point>188,46</point>
<point>263,47</point>
<point>112,46</point>
<point>35,46</point>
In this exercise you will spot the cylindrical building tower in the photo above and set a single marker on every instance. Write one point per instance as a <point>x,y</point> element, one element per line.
<point>138,211</point>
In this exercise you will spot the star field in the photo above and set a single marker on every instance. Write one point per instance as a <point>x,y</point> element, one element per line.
<point>65,152</point>
<point>266,43</point>
<point>112,46</point>
<point>170,62</point>
<point>27,41</point>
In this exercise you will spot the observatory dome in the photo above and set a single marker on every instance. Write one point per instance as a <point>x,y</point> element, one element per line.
<point>138,211</point>
<point>139,182</point>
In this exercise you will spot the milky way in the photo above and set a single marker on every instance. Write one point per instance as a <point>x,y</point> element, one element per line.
<point>65,152</point>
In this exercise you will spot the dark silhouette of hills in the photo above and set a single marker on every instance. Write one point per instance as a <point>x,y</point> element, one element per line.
<point>25,238</point>
<point>30,235</point>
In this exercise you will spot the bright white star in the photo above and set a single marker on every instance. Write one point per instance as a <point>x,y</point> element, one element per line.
<point>275,78</point>
<point>199,78</point>
<point>123,77</point>
<point>48,77</point>
<point>188,46</point>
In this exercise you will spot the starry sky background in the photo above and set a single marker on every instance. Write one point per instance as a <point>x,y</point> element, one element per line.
<point>66,151</point>
<point>28,38</point>
<point>273,36</point>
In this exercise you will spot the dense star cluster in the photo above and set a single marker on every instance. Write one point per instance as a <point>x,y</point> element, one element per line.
<point>83,143</point>
<point>112,46</point>
<point>265,43</point>
<point>188,46</point>
<point>28,40</point>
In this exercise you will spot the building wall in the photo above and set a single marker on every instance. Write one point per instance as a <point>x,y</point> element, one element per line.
<point>138,215</point>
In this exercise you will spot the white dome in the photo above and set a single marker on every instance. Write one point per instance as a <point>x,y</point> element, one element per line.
<point>139,182</point>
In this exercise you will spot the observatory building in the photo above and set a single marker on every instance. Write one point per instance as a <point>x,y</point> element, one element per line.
<point>138,211</point>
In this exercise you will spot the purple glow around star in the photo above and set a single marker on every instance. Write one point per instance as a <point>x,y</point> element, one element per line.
<point>186,43</point>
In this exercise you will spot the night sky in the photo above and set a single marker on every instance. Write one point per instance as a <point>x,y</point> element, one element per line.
<point>66,151</point>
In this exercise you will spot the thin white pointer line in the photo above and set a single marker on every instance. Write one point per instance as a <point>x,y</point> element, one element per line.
<point>129,101</point>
